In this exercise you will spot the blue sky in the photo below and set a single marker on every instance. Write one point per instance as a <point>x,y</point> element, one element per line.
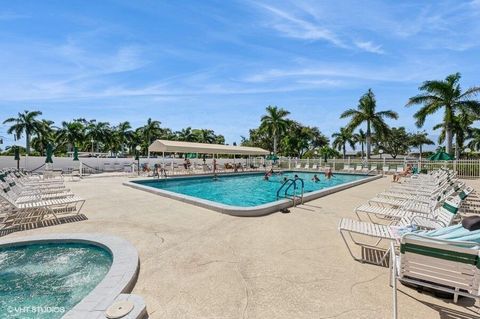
<point>218,64</point>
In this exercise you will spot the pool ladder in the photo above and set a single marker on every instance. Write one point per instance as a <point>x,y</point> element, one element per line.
<point>287,185</point>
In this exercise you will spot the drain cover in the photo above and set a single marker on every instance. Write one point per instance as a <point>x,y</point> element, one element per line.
<point>119,309</point>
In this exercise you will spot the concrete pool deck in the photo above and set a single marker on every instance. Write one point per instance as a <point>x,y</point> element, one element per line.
<point>196,263</point>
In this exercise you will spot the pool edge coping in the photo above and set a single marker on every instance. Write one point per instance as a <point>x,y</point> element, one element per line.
<point>119,280</point>
<point>253,211</point>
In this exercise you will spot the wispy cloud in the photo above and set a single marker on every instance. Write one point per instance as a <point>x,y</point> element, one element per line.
<point>8,15</point>
<point>369,46</point>
<point>295,27</point>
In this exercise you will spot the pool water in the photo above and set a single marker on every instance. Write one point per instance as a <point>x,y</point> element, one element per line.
<point>245,190</point>
<point>47,280</point>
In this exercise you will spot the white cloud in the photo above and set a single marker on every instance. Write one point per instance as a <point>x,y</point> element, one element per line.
<point>294,27</point>
<point>7,15</point>
<point>369,47</point>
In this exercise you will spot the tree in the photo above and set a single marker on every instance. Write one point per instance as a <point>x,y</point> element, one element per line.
<point>395,142</point>
<point>100,133</point>
<point>26,123</point>
<point>123,133</point>
<point>45,136</point>
<point>186,135</point>
<point>71,134</point>
<point>419,139</point>
<point>361,138</point>
<point>341,139</point>
<point>327,152</point>
<point>366,113</point>
<point>461,129</point>
<point>275,123</point>
<point>204,136</point>
<point>447,95</point>
<point>474,142</point>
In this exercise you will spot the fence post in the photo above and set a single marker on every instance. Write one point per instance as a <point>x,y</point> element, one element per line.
<point>289,163</point>
<point>455,166</point>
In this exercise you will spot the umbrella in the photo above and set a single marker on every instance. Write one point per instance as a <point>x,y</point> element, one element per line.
<point>272,157</point>
<point>16,153</point>
<point>49,154</point>
<point>441,156</point>
<point>75,153</point>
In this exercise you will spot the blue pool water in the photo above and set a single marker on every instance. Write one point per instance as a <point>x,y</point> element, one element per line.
<point>47,280</point>
<point>244,190</point>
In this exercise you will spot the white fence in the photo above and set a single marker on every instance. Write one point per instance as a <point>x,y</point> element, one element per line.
<point>92,165</point>
<point>464,168</point>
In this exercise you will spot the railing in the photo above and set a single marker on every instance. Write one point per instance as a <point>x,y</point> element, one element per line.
<point>292,182</point>
<point>464,168</point>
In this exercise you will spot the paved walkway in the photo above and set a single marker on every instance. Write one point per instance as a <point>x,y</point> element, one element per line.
<point>197,263</point>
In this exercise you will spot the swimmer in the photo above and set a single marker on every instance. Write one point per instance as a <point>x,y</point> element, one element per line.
<point>315,178</point>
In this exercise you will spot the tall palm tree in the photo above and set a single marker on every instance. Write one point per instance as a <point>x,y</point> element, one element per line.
<point>100,133</point>
<point>419,139</point>
<point>27,123</point>
<point>366,113</point>
<point>204,136</point>
<point>151,130</point>
<point>275,123</point>
<point>186,135</point>
<point>123,133</point>
<point>461,129</point>
<point>447,95</point>
<point>361,138</point>
<point>45,136</point>
<point>71,134</point>
<point>474,142</point>
<point>342,138</point>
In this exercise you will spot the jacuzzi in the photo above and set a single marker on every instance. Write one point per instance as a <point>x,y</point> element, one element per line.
<point>69,276</point>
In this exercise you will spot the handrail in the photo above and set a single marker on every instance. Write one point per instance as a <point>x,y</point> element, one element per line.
<point>293,182</point>
<point>284,183</point>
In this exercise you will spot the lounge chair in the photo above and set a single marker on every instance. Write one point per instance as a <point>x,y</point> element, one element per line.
<point>449,266</point>
<point>298,166</point>
<point>442,217</point>
<point>359,168</point>
<point>315,167</point>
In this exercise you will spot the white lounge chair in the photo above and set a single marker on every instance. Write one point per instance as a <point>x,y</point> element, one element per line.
<point>449,266</point>
<point>379,233</point>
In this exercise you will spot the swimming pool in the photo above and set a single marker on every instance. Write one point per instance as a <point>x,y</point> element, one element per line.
<point>245,194</point>
<point>47,280</point>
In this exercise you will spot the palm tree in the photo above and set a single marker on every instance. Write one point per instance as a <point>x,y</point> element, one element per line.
<point>446,95</point>
<point>275,123</point>
<point>123,133</point>
<point>99,132</point>
<point>419,139</point>
<point>474,143</point>
<point>186,135</point>
<point>461,129</point>
<point>204,136</point>
<point>327,152</point>
<point>366,113</point>
<point>151,130</point>
<point>361,137</point>
<point>45,136</point>
<point>341,139</point>
<point>71,134</point>
<point>27,123</point>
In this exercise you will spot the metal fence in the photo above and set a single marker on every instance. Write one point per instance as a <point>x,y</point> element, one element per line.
<point>464,168</point>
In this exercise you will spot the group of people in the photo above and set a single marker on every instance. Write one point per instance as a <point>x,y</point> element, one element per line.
<point>328,175</point>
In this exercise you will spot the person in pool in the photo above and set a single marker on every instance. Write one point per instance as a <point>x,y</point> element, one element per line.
<point>295,177</point>
<point>315,178</point>
<point>328,173</point>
